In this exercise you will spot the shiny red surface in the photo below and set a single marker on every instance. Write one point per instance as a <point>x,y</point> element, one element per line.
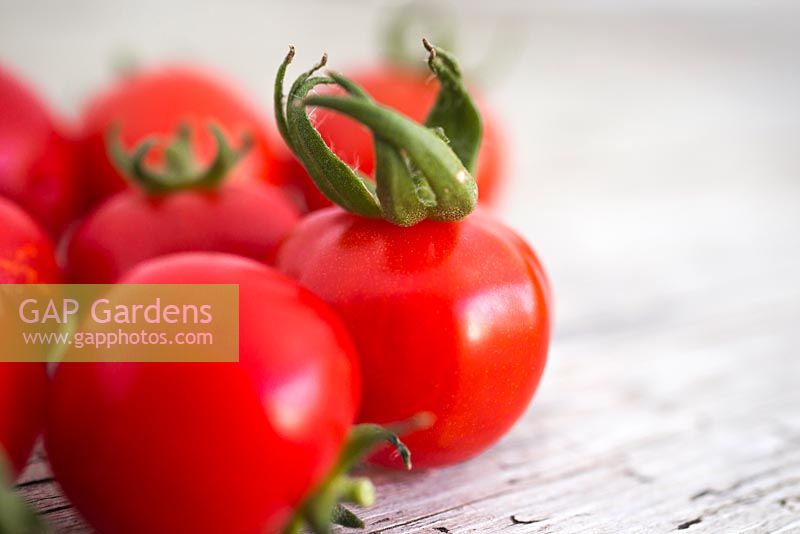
<point>209,448</point>
<point>245,218</point>
<point>448,318</point>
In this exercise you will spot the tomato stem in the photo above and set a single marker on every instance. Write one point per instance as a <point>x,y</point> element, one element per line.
<point>324,506</point>
<point>454,111</point>
<point>180,170</point>
<point>422,171</point>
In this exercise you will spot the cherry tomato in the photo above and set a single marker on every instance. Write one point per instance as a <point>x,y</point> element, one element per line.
<point>23,394</point>
<point>448,318</point>
<point>248,219</point>
<point>209,447</point>
<point>26,252</point>
<point>181,209</point>
<point>410,91</point>
<point>26,256</point>
<point>158,101</point>
<point>37,169</point>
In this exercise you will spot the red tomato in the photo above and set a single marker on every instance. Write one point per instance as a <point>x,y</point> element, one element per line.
<point>36,161</point>
<point>448,318</point>
<point>26,253</point>
<point>158,101</point>
<point>23,394</point>
<point>209,447</point>
<point>244,218</point>
<point>410,91</point>
<point>26,256</point>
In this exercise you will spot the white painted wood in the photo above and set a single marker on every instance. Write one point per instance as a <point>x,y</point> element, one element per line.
<point>656,171</point>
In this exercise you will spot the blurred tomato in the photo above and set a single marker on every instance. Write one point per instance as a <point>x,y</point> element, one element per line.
<point>37,168</point>
<point>26,256</point>
<point>245,219</point>
<point>23,396</point>
<point>26,252</point>
<point>156,102</point>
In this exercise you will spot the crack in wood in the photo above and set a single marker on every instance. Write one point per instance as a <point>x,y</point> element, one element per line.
<point>517,521</point>
<point>34,482</point>
<point>687,524</point>
<point>703,493</point>
<point>613,458</point>
<point>735,485</point>
<point>56,509</point>
<point>750,498</point>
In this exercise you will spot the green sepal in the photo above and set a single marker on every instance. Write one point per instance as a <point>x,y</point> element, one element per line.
<point>454,188</point>
<point>398,189</point>
<point>418,175</point>
<point>337,181</point>
<point>344,517</point>
<point>324,506</point>
<point>454,110</point>
<point>180,170</point>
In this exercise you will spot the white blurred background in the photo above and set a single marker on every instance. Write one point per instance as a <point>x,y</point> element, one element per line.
<point>654,144</point>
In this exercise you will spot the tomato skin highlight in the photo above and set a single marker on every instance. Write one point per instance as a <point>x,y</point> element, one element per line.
<point>448,318</point>
<point>244,218</point>
<point>410,91</point>
<point>156,102</point>
<point>37,159</point>
<point>209,447</point>
<point>26,256</point>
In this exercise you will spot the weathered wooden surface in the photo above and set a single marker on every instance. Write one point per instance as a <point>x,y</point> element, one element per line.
<point>657,173</point>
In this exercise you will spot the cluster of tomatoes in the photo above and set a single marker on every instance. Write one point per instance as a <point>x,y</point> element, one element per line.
<point>173,176</point>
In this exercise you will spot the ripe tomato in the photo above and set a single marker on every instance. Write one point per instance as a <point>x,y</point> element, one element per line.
<point>248,218</point>
<point>37,168</point>
<point>23,394</point>
<point>209,447</point>
<point>157,101</point>
<point>410,91</point>
<point>448,318</point>
<point>26,256</point>
<point>26,253</point>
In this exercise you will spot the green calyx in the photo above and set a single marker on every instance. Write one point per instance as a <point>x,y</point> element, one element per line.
<point>421,172</point>
<point>324,507</point>
<point>15,515</point>
<point>180,169</point>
